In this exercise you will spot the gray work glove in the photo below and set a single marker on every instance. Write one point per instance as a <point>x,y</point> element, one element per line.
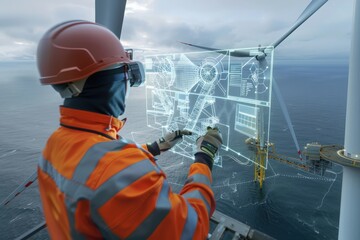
<point>167,141</point>
<point>210,142</point>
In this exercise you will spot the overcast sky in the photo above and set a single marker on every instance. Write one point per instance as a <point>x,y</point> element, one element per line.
<point>160,24</point>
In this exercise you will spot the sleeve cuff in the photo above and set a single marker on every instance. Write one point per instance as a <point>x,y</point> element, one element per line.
<point>203,158</point>
<point>153,148</point>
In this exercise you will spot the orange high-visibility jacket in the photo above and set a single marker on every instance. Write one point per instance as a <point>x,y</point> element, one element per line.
<point>96,185</point>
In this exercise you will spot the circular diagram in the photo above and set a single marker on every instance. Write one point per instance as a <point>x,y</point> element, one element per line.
<point>209,71</point>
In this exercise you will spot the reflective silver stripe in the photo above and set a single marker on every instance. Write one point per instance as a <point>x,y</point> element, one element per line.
<point>93,155</point>
<point>76,190</point>
<point>113,186</point>
<point>162,208</point>
<point>190,224</point>
<point>120,181</point>
<point>157,168</point>
<point>70,209</point>
<point>198,178</point>
<point>72,189</point>
<point>197,195</point>
<point>102,226</point>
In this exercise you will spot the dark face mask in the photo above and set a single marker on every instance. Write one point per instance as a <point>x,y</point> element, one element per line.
<point>104,92</point>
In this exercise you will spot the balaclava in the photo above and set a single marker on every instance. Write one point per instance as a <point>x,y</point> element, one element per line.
<point>104,92</point>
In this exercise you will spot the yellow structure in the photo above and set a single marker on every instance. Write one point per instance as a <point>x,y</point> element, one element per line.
<point>259,173</point>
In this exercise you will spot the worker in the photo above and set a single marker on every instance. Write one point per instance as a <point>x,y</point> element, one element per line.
<point>93,183</point>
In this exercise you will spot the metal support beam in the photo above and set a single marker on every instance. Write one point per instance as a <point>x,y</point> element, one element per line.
<point>32,231</point>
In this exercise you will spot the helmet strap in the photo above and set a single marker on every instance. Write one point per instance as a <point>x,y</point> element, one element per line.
<point>71,89</point>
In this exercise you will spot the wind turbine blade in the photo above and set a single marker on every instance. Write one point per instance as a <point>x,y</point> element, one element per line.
<point>309,10</point>
<point>110,13</point>
<point>235,53</point>
<point>201,47</point>
<point>287,116</point>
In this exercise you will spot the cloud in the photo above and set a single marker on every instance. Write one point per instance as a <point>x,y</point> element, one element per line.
<point>160,24</point>
<point>137,6</point>
<point>238,24</point>
<point>23,21</point>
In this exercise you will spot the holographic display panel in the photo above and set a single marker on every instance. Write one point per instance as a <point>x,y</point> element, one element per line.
<point>214,88</point>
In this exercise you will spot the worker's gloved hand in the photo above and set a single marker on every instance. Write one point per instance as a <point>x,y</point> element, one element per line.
<point>170,139</point>
<point>210,142</point>
<point>207,146</point>
<point>167,141</point>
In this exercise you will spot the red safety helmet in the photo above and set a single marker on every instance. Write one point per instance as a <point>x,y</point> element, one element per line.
<point>72,51</point>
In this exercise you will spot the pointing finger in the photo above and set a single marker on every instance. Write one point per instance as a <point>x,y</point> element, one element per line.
<point>186,132</point>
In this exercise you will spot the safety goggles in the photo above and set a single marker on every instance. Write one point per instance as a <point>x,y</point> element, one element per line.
<point>135,73</point>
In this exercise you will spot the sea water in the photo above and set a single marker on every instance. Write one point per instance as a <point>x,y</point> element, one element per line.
<point>292,204</point>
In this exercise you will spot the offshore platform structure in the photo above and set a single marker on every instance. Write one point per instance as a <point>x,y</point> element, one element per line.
<point>317,158</point>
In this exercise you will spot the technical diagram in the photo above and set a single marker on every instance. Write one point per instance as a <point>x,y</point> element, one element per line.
<point>195,90</point>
